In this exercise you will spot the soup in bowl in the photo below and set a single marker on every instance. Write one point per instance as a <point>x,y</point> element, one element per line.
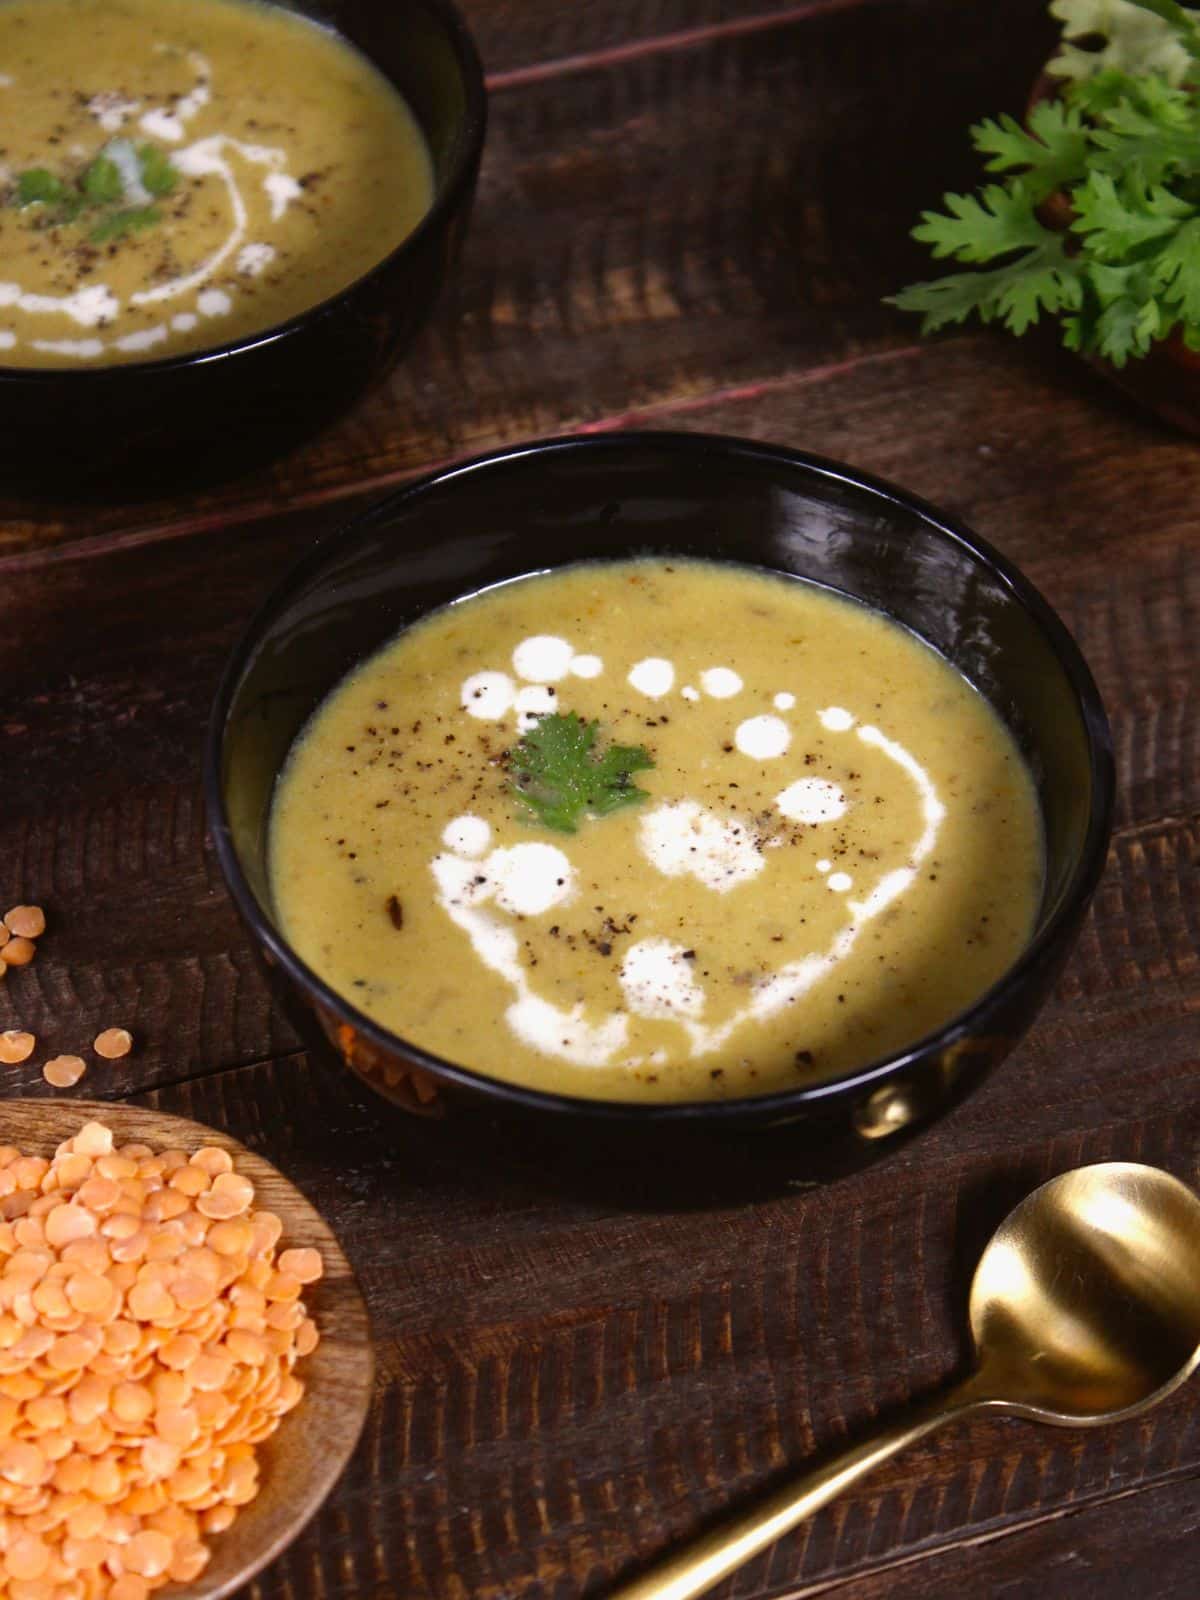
<point>662,778</point>
<point>220,216</point>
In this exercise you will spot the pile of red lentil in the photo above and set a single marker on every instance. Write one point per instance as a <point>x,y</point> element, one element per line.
<point>148,1335</point>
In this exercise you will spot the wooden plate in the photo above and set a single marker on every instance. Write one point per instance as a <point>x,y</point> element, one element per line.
<point>304,1458</point>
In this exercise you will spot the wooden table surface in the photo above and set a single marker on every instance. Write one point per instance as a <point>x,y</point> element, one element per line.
<point>689,213</point>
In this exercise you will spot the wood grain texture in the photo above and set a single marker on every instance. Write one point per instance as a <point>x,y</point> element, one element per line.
<point>303,1459</point>
<point>1073,1555</point>
<point>523,39</point>
<point>689,213</point>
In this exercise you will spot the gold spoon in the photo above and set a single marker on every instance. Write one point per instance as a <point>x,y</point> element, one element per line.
<point>1085,1309</point>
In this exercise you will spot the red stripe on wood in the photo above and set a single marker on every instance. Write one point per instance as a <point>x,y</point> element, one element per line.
<point>684,39</point>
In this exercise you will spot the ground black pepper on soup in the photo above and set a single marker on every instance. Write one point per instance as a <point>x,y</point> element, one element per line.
<point>657,831</point>
<point>175,174</point>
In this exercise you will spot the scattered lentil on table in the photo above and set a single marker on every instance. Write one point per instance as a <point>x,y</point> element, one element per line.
<point>15,1045</point>
<point>20,926</point>
<point>64,1072</point>
<point>26,922</point>
<point>113,1043</point>
<point>19,952</point>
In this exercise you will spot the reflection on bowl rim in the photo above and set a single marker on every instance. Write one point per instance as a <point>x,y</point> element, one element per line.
<point>447,197</point>
<point>1074,895</point>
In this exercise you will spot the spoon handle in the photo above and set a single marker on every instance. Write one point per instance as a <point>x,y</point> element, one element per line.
<point>712,1556</point>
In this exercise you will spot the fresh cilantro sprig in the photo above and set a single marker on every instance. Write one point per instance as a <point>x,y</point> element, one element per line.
<point>1097,219</point>
<point>101,191</point>
<point>558,778</point>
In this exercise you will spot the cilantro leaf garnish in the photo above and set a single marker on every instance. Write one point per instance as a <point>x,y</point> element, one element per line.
<point>119,223</point>
<point>38,187</point>
<point>112,191</point>
<point>101,182</point>
<point>158,175</point>
<point>558,778</point>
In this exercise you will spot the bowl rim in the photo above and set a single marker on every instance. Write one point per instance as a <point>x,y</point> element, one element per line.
<point>446,203</point>
<point>783,1104</point>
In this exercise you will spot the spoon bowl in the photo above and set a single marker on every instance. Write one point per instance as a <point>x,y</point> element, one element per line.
<point>1085,1306</point>
<point>1084,1309</point>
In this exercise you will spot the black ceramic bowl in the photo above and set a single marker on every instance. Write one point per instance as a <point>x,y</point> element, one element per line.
<point>545,504</point>
<point>145,425</point>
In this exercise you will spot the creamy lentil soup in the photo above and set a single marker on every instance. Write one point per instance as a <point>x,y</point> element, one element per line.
<point>836,847</point>
<point>175,174</point>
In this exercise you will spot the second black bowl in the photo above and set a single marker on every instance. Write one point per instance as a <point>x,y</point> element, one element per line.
<point>149,426</point>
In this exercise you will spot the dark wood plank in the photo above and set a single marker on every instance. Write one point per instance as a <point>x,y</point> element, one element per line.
<point>521,39</point>
<point>1096,1551</point>
<point>594,279</point>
